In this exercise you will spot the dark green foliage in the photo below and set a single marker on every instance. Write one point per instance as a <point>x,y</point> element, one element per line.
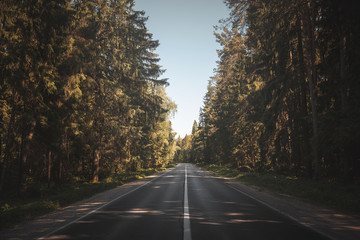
<point>81,94</point>
<point>285,95</point>
<point>183,149</point>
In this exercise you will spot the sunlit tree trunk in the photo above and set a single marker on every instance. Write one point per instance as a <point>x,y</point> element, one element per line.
<point>96,166</point>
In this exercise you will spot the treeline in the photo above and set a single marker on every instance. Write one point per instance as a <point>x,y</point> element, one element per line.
<point>285,96</point>
<point>80,94</point>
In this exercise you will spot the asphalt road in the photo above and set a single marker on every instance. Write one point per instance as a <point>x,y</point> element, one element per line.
<point>185,203</point>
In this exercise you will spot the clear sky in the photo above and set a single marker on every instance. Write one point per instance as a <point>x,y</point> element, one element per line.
<point>187,50</point>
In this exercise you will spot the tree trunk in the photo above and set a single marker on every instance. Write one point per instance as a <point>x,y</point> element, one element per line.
<point>9,144</point>
<point>347,158</point>
<point>342,74</point>
<point>96,166</point>
<point>312,78</point>
<point>60,172</point>
<point>49,169</point>
<point>342,53</point>
<point>27,135</point>
<point>303,102</point>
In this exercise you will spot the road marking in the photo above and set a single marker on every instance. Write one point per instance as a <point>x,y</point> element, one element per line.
<point>102,206</point>
<point>187,231</point>
<point>230,185</point>
<point>283,213</point>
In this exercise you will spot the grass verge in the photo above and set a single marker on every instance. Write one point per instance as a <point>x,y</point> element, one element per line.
<point>332,194</point>
<point>44,200</point>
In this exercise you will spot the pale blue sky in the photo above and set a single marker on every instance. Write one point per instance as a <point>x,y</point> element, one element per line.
<point>187,50</point>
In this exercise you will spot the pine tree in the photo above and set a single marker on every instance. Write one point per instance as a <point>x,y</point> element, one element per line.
<point>81,94</point>
<point>281,88</point>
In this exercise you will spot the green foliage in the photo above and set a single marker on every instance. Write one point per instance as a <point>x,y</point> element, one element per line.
<point>183,149</point>
<point>81,94</point>
<point>285,94</point>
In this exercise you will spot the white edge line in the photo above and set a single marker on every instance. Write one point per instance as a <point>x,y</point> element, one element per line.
<point>271,207</point>
<point>283,213</point>
<point>187,230</point>
<point>102,206</point>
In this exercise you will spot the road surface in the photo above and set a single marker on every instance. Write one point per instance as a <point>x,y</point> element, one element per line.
<point>184,203</point>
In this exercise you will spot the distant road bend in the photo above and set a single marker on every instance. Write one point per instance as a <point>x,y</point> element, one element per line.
<point>184,203</point>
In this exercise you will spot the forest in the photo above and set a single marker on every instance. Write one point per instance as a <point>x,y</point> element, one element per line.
<point>285,96</point>
<point>82,98</point>
<point>81,93</point>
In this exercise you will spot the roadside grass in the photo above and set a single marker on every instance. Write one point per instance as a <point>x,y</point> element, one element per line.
<point>328,193</point>
<point>40,200</point>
